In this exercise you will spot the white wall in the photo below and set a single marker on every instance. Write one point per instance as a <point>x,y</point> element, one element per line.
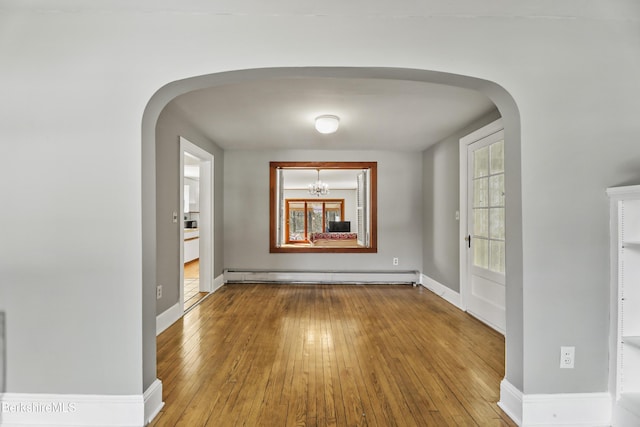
<point>246,212</point>
<point>75,81</point>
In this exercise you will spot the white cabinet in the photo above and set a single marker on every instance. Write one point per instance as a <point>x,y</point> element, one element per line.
<point>191,245</point>
<point>625,276</point>
<point>191,233</point>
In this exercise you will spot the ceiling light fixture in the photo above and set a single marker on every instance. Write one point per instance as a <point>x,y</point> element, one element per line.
<point>319,188</point>
<point>327,123</point>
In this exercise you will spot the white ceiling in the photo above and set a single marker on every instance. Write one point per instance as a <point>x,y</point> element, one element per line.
<point>337,179</point>
<point>375,114</point>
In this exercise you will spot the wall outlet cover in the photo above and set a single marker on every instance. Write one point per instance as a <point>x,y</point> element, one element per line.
<point>567,357</point>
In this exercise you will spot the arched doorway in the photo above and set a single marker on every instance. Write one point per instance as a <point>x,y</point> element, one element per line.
<point>499,96</point>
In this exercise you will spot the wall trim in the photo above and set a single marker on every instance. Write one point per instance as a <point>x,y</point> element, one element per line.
<point>168,317</point>
<point>511,401</point>
<point>567,409</point>
<point>341,277</point>
<point>55,410</point>
<point>205,221</point>
<point>441,290</point>
<point>153,403</point>
<point>625,413</point>
<point>218,282</point>
<point>560,409</point>
<point>175,312</point>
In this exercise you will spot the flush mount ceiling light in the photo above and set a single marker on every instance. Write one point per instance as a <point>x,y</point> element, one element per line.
<point>327,123</point>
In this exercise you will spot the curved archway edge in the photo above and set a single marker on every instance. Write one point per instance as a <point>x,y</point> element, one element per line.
<point>500,97</point>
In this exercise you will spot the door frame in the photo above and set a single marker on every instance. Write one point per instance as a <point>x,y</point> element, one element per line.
<point>483,132</point>
<point>206,220</point>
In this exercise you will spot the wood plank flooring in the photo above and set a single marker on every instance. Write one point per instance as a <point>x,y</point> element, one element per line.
<point>329,355</point>
<point>191,284</point>
<point>192,269</point>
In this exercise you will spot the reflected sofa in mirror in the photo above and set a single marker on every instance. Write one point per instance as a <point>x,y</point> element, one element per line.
<point>323,207</point>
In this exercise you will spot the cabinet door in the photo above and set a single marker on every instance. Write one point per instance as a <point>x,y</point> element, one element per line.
<point>191,249</point>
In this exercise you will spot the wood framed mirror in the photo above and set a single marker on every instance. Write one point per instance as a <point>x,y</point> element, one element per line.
<point>323,207</point>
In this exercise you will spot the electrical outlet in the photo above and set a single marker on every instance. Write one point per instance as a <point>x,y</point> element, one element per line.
<point>567,357</point>
<point>174,218</point>
<point>395,261</point>
<point>159,292</point>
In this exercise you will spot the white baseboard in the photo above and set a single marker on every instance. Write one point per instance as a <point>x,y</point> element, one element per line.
<point>626,413</point>
<point>570,409</point>
<point>86,410</point>
<point>339,277</point>
<point>175,312</point>
<point>153,403</point>
<point>168,317</point>
<point>561,409</point>
<point>69,410</point>
<point>218,282</point>
<point>441,290</point>
<point>511,401</point>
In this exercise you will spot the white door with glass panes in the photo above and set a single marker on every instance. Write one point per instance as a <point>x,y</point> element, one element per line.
<point>485,237</point>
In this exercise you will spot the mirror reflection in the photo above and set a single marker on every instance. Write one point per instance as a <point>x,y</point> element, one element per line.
<point>323,206</point>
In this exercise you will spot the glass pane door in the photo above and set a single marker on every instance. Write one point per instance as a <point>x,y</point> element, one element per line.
<point>484,287</point>
<point>488,234</point>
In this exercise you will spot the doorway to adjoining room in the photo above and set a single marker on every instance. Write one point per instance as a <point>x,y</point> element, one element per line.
<point>197,256</point>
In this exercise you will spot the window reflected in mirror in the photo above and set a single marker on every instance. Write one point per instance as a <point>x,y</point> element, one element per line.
<point>323,207</point>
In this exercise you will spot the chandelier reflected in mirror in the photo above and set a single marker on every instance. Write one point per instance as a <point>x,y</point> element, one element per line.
<point>318,188</point>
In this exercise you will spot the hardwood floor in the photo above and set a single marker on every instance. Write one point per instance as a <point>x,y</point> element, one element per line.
<point>192,269</point>
<point>329,355</point>
<point>192,284</point>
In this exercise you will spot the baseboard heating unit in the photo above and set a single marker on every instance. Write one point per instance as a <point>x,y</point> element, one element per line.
<point>321,277</point>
